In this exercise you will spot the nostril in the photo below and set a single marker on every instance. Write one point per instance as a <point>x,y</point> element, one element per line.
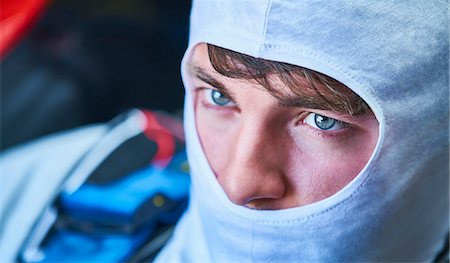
<point>254,191</point>
<point>263,204</point>
<point>238,193</point>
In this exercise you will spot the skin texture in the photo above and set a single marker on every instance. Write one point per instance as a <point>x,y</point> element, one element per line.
<point>269,156</point>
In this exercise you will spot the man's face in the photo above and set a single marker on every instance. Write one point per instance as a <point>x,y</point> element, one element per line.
<point>271,156</point>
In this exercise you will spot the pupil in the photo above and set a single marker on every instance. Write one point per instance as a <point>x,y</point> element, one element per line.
<point>323,122</point>
<point>219,98</point>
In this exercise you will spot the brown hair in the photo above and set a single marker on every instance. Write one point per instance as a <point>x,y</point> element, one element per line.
<point>332,94</point>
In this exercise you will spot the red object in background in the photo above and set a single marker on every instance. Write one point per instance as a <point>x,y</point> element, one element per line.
<point>163,137</point>
<point>17,17</point>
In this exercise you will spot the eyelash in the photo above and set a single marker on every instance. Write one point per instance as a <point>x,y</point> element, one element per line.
<point>206,100</point>
<point>346,129</point>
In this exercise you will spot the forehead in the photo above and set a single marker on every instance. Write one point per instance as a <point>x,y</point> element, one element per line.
<point>199,56</point>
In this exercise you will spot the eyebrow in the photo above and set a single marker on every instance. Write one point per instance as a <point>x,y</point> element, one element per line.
<point>301,102</point>
<point>203,75</point>
<point>316,102</point>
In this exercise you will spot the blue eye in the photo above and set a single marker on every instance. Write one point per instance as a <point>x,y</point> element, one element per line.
<point>218,98</point>
<point>323,123</point>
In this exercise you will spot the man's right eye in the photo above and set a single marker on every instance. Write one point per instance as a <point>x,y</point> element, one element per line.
<point>217,98</point>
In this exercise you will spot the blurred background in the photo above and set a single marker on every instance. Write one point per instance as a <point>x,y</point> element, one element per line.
<point>81,62</point>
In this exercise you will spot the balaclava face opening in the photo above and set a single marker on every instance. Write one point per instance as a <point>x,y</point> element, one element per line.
<point>395,56</point>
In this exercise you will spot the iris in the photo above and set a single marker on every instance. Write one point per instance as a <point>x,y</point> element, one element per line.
<point>219,98</point>
<point>324,122</point>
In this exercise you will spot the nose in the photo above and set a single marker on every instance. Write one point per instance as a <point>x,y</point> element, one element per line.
<point>254,174</point>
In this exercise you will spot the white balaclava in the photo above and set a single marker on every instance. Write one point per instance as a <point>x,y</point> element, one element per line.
<point>393,54</point>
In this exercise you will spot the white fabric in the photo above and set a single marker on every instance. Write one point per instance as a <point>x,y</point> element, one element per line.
<point>394,54</point>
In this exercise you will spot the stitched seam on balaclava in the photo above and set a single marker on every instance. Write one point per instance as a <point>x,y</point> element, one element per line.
<point>264,31</point>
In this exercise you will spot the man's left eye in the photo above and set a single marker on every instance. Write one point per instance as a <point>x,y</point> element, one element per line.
<point>323,123</point>
<point>216,97</point>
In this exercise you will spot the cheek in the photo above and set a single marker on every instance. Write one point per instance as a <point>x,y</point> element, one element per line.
<point>215,138</point>
<point>320,169</point>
